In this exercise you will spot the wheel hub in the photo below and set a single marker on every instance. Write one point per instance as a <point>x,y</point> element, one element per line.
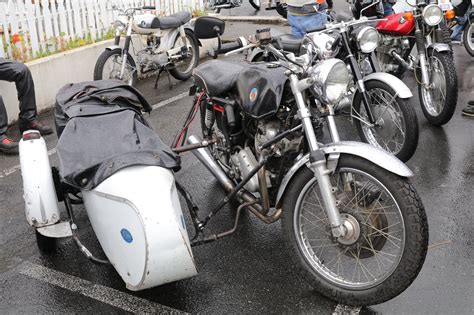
<point>352,227</point>
<point>385,124</point>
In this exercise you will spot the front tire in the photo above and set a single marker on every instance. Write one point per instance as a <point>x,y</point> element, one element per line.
<point>438,102</point>
<point>109,66</point>
<point>396,129</point>
<point>392,242</point>
<point>255,4</point>
<point>183,69</point>
<point>468,36</point>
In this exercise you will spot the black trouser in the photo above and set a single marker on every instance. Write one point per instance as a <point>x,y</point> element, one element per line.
<point>17,72</point>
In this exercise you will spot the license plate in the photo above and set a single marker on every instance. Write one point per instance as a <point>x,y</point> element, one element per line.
<point>446,5</point>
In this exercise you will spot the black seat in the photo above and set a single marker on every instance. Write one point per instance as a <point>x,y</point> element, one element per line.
<point>289,42</point>
<point>216,76</point>
<point>174,20</point>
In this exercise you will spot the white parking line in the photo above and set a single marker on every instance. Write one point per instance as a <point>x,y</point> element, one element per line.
<point>95,291</point>
<point>11,170</point>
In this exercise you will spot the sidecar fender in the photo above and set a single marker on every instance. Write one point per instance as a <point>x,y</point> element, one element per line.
<point>373,154</point>
<point>395,83</point>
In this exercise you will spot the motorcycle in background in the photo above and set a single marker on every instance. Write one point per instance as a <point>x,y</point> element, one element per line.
<point>171,47</point>
<point>218,5</point>
<point>468,27</point>
<point>433,66</point>
<point>279,5</point>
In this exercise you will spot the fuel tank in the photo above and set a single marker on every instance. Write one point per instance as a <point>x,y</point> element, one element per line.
<point>397,24</point>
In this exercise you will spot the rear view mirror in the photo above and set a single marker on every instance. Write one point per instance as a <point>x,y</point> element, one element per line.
<point>208,27</point>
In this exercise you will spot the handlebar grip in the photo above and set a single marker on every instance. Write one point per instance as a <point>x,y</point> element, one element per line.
<point>225,48</point>
<point>149,7</point>
<point>229,112</point>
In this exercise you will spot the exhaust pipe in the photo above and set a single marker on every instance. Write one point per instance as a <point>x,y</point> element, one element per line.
<point>205,158</point>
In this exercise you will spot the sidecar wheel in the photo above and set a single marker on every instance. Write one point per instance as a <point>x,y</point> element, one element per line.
<point>46,245</point>
<point>388,240</point>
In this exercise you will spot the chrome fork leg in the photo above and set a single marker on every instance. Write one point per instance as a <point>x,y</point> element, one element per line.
<point>318,163</point>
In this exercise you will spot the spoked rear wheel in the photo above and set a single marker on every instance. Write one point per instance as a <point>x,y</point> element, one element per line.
<point>396,125</point>
<point>387,237</point>
<point>183,68</point>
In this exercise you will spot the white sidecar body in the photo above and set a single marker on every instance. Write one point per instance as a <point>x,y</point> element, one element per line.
<point>137,218</point>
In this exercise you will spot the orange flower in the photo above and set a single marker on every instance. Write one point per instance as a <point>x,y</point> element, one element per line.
<point>16,38</point>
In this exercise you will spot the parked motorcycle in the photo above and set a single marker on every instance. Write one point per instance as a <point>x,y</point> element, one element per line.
<point>218,5</point>
<point>171,47</point>
<point>259,120</point>
<point>464,8</point>
<point>380,103</point>
<point>433,66</point>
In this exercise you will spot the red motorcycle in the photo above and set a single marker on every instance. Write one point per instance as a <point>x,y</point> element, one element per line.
<point>433,63</point>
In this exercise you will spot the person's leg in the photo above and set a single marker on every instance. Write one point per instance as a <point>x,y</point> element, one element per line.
<point>295,23</point>
<point>17,72</point>
<point>313,21</point>
<point>6,145</point>
<point>457,32</point>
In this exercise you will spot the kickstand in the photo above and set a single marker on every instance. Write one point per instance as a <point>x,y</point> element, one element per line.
<point>163,69</point>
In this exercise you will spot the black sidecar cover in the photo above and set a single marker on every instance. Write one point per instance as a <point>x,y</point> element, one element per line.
<point>101,130</point>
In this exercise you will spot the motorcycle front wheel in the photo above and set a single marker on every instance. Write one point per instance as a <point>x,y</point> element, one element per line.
<point>468,36</point>
<point>255,4</point>
<point>438,100</point>
<point>183,68</point>
<point>396,125</point>
<point>388,233</point>
<point>109,66</point>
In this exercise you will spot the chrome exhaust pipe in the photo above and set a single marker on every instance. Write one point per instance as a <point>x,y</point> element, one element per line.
<point>205,158</point>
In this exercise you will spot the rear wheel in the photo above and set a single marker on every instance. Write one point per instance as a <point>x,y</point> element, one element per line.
<point>396,125</point>
<point>387,238</point>
<point>255,4</point>
<point>183,68</point>
<point>468,36</point>
<point>45,244</point>
<point>109,66</point>
<point>438,100</point>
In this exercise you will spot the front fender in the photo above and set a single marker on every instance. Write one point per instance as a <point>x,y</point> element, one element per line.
<point>395,83</point>
<point>254,54</point>
<point>373,154</point>
<point>439,47</point>
<point>112,47</point>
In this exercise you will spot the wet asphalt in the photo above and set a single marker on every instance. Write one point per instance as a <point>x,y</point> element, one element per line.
<point>248,272</point>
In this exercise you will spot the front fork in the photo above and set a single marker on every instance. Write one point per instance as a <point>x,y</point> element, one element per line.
<point>421,49</point>
<point>318,162</point>
<point>126,46</point>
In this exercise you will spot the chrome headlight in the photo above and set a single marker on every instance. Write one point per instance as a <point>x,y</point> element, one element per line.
<point>432,14</point>
<point>331,79</point>
<point>321,44</point>
<point>120,24</point>
<point>367,39</point>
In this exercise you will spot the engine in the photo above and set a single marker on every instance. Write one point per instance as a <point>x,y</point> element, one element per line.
<point>387,48</point>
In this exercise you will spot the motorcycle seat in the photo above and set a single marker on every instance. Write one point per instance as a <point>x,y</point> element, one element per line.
<point>216,76</point>
<point>289,42</point>
<point>174,20</point>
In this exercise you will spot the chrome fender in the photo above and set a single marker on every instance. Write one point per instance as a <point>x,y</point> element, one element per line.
<point>395,83</point>
<point>373,154</point>
<point>439,47</point>
<point>113,47</point>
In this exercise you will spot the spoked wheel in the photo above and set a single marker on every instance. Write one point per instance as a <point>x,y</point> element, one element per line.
<point>438,100</point>
<point>109,66</point>
<point>468,36</point>
<point>183,68</point>
<point>255,4</point>
<point>387,233</point>
<point>396,126</point>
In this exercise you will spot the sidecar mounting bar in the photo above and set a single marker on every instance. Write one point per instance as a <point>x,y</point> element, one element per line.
<point>190,147</point>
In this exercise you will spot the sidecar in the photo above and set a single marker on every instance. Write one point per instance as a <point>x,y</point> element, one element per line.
<point>112,162</point>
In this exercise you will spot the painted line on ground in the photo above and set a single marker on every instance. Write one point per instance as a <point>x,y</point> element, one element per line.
<point>11,170</point>
<point>107,295</point>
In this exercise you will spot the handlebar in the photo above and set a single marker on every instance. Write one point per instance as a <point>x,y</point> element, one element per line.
<point>227,47</point>
<point>149,7</point>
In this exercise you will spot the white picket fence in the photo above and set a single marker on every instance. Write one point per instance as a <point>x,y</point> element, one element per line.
<point>33,28</point>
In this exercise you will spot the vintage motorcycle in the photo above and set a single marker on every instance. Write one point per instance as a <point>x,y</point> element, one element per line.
<point>433,65</point>
<point>464,9</point>
<point>218,5</point>
<point>379,103</point>
<point>354,222</point>
<point>171,47</point>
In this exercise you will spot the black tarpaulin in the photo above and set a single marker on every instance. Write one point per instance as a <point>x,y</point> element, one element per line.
<point>101,130</point>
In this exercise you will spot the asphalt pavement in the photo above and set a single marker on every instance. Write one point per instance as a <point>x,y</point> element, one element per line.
<point>248,272</point>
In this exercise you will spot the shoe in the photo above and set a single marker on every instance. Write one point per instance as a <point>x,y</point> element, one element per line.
<point>35,125</point>
<point>470,103</point>
<point>469,110</point>
<point>7,145</point>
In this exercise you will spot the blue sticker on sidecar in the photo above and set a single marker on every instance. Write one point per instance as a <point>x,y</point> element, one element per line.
<point>126,235</point>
